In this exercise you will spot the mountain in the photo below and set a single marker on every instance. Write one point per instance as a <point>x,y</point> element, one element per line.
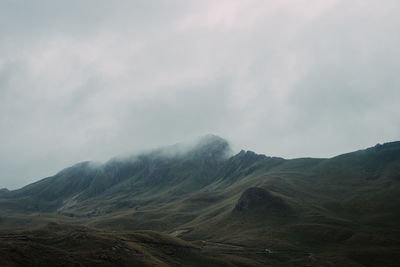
<point>244,209</point>
<point>187,166</point>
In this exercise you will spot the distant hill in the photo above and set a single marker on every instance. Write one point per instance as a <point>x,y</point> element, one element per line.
<point>343,210</point>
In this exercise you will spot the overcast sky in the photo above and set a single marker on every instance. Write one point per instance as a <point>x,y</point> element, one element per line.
<point>88,80</point>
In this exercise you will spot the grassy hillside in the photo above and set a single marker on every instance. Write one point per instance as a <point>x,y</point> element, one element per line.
<point>236,210</point>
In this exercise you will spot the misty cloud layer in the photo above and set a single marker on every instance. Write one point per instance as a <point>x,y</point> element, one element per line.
<point>88,80</point>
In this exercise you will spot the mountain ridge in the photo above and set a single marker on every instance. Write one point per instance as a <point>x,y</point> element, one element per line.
<point>95,178</point>
<point>203,193</point>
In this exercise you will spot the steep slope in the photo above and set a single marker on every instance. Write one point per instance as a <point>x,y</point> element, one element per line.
<point>177,169</point>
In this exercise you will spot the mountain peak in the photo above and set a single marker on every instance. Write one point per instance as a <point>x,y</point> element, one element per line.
<point>212,141</point>
<point>207,146</point>
<point>210,146</point>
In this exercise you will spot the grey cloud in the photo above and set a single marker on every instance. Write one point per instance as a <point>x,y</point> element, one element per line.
<point>94,79</point>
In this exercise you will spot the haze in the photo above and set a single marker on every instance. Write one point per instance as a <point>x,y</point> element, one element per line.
<point>88,80</point>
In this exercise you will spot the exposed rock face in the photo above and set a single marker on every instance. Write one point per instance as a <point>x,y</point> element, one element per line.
<point>259,199</point>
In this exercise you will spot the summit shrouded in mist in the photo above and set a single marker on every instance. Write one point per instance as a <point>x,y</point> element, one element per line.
<point>207,146</point>
<point>191,164</point>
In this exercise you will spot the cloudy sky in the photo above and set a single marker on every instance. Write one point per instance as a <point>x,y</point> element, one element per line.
<point>88,80</point>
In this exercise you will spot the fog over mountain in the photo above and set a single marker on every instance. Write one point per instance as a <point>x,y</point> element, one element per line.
<point>90,80</point>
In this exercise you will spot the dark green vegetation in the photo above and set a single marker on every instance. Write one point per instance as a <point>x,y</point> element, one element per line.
<point>197,205</point>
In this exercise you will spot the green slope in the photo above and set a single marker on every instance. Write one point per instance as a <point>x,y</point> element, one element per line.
<point>337,211</point>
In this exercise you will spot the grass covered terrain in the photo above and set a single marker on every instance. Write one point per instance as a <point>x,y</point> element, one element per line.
<point>199,205</point>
